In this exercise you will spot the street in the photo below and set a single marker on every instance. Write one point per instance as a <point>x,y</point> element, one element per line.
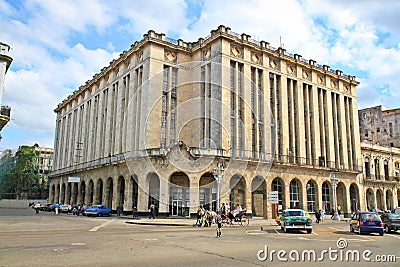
<point>44,239</point>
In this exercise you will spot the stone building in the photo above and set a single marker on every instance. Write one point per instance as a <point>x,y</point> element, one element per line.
<point>153,125</point>
<point>379,125</point>
<point>381,176</point>
<point>5,62</point>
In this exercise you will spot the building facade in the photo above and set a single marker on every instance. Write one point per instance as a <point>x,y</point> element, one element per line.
<point>381,126</point>
<point>381,176</point>
<point>5,62</point>
<point>152,127</point>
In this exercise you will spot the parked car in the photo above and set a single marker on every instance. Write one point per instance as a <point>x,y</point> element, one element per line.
<point>391,222</point>
<point>278,218</point>
<point>65,208</point>
<point>98,210</point>
<point>295,219</point>
<point>366,222</point>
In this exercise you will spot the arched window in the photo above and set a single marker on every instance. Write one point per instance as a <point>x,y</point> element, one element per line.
<point>326,205</point>
<point>310,196</point>
<point>294,194</point>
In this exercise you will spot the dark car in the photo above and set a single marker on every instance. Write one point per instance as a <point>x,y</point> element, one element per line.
<point>366,222</point>
<point>391,222</point>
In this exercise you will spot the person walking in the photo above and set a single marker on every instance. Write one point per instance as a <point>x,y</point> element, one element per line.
<point>218,220</point>
<point>151,212</point>
<point>318,216</point>
<point>56,207</point>
<point>322,216</point>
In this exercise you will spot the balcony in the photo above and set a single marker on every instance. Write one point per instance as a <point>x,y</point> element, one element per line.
<point>5,112</point>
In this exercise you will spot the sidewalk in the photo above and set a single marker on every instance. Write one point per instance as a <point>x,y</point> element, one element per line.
<point>191,222</point>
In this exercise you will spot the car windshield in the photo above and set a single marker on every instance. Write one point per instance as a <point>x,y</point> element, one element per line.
<point>394,216</point>
<point>294,213</point>
<point>370,217</point>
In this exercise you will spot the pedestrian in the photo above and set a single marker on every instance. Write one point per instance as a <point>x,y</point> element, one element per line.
<point>78,210</point>
<point>318,216</point>
<point>218,220</point>
<point>134,213</point>
<point>322,216</point>
<point>151,212</point>
<point>118,210</point>
<point>339,209</point>
<point>56,207</point>
<point>223,210</point>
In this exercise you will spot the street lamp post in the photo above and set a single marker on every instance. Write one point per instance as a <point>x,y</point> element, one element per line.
<point>218,173</point>
<point>335,181</point>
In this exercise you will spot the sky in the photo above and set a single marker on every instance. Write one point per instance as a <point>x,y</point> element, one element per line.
<point>57,45</point>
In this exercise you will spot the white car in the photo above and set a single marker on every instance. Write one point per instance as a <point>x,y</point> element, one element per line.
<point>65,208</point>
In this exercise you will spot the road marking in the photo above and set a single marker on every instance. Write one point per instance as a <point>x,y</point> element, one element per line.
<point>94,229</point>
<point>335,228</point>
<point>314,233</point>
<point>152,239</point>
<point>277,232</point>
<point>78,244</point>
<point>394,236</point>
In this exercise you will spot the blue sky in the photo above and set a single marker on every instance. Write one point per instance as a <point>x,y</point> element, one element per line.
<point>58,45</point>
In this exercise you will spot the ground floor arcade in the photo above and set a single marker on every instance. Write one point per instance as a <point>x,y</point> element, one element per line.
<point>177,192</point>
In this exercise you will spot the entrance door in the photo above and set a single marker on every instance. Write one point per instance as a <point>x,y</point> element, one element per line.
<point>177,208</point>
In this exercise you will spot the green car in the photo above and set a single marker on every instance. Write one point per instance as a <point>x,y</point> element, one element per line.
<point>295,219</point>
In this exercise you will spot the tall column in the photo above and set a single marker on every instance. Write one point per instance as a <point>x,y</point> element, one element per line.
<point>194,193</point>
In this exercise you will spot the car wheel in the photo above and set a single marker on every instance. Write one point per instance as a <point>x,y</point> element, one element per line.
<point>387,229</point>
<point>381,233</point>
<point>351,229</point>
<point>309,231</point>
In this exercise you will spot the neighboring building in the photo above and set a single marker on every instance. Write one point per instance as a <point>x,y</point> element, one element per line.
<point>381,126</point>
<point>24,175</point>
<point>381,176</point>
<point>152,126</point>
<point>43,165</point>
<point>5,62</point>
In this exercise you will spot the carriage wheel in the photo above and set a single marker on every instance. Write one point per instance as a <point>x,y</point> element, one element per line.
<point>244,221</point>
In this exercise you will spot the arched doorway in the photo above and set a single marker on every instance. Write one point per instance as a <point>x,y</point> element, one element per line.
<point>258,196</point>
<point>58,193</point>
<point>91,191</point>
<point>154,191</point>
<point>326,197</point>
<point>208,192</point>
<point>279,186</point>
<point>312,192</point>
<point>99,191</point>
<point>68,194</point>
<point>135,190</point>
<point>62,198</point>
<point>109,192</point>
<point>354,198</point>
<point>398,197</point>
<point>179,194</point>
<point>121,192</point>
<point>341,197</point>
<point>379,199</point>
<point>295,194</point>
<point>82,192</point>
<point>53,194</point>
<point>75,193</point>
<point>238,191</point>
<point>389,200</point>
<point>370,199</point>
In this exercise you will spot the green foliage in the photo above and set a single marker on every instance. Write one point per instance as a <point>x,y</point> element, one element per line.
<point>21,181</point>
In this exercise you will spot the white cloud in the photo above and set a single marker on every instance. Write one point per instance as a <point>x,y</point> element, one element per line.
<point>52,56</point>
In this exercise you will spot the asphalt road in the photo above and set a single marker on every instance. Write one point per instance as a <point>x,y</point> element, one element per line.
<point>27,239</point>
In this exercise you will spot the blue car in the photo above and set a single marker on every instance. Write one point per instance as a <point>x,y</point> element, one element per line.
<point>98,210</point>
<point>366,222</point>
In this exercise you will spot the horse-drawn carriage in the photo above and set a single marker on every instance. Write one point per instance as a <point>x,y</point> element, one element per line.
<point>238,218</point>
